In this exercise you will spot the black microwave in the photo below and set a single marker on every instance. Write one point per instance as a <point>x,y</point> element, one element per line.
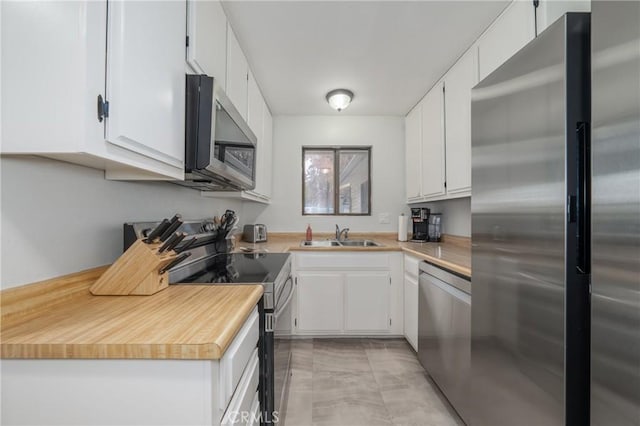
<point>220,148</point>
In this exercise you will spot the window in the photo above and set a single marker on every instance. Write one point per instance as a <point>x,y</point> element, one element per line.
<point>336,181</point>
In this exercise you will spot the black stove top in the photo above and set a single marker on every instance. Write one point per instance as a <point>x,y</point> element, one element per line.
<point>236,268</point>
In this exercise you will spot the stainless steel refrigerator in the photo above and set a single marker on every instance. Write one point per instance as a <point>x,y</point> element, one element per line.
<point>544,172</point>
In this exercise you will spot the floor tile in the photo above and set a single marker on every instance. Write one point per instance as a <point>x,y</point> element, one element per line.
<point>368,382</point>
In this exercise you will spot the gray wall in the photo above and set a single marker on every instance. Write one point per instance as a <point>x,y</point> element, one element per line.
<point>59,218</point>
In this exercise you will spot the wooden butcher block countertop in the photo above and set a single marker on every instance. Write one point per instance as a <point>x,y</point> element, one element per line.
<point>453,253</point>
<point>60,318</point>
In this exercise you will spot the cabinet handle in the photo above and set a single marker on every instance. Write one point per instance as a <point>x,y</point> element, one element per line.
<point>103,108</point>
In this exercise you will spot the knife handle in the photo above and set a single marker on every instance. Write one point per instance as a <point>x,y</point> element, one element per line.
<point>171,229</point>
<point>157,231</point>
<point>168,242</point>
<point>176,241</point>
<point>174,262</point>
<point>186,245</point>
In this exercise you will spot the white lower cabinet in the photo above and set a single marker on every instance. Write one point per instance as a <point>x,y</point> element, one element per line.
<point>367,301</point>
<point>411,273</point>
<point>319,302</point>
<point>348,294</point>
<point>137,391</point>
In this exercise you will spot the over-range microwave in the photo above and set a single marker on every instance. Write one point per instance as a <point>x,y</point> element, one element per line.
<point>220,148</point>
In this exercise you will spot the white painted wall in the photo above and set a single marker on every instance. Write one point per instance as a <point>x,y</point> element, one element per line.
<point>456,215</point>
<point>59,218</point>
<point>386,137</point>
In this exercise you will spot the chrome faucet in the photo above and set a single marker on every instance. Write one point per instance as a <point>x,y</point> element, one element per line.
<point>339,233</point>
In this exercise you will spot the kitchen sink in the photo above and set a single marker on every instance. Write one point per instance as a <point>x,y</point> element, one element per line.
<point>359,243</point>
<point>320,243</point>
<point>335,243</point>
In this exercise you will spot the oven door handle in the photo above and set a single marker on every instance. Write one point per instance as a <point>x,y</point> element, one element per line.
<point>279,308</point>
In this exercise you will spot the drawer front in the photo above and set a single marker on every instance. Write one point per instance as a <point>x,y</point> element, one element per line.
<point>411,266</point>
<point>237,356</point>
<point>239,411</point>
<point>343,261</point>
<point>254,420</point>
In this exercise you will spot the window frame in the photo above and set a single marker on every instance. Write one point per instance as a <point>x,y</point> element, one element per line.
<point>336,177</point>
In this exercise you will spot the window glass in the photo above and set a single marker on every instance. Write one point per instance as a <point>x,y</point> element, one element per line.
<point>354,182</point>
<point>319,182</point>
<point>337,181</point>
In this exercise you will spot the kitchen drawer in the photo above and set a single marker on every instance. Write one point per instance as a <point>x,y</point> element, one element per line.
<point>411,266</point>
<point>237,357</point>
<point>342,260</point>
<point>254,419</point>
<point>239,411</point>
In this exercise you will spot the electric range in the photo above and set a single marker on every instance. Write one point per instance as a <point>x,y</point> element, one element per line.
<point>210,263</point>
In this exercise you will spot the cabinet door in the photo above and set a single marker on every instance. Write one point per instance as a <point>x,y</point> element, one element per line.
<point>255,115</point>
<point>53,69</point>
<point>550,11</point>
<point>413,140</point>
<point>367,301</point>
<point>207,30</point>
<point>508,34</point>
<point>433,142</point>
<point>411,311</point>
<point>320,302</point>
<point>145,78</point>
<point>237,74</point>
<point>457,102</point>
<point>267,149</point>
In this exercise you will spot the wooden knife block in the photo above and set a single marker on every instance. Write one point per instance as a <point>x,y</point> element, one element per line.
<point>136,272</point>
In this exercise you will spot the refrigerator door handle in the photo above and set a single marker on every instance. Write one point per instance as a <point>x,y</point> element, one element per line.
<point>583,199</point>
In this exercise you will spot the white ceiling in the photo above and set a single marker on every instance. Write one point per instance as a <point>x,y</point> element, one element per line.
<point>388,53</point>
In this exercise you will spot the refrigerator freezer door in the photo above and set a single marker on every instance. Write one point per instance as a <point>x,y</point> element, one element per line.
<point>520,130</point>
<point>615,321</point>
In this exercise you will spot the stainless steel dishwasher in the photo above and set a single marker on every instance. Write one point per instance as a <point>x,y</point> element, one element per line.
<point>444,331</point>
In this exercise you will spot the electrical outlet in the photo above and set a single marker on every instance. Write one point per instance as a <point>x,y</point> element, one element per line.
<point>384,218</point>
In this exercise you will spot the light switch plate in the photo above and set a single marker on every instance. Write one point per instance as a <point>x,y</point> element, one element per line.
<point>384,218</point>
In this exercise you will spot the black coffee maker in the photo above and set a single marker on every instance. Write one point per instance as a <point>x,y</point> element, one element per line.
<point>426,225</point>
<point>420,222</point>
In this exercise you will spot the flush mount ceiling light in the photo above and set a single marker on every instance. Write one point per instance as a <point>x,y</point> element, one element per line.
<point>339,99</point>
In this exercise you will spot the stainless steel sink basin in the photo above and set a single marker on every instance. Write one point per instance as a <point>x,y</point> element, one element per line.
<point>359,243</point>
<point>320,243</point>
<point>335,243</point>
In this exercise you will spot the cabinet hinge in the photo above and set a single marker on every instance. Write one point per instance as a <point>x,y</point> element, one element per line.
<point>103,108</point>
<point>295,322</point>
<point>389,321</point>
<point>187,42</point>
<point>445,184</point>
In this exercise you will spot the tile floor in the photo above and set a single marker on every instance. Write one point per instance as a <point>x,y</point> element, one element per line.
<point>362,382</point>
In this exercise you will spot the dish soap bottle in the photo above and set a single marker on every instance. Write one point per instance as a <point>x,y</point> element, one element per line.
<point>309,233</point>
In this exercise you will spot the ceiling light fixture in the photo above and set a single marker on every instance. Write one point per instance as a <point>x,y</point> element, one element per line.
<point>339,99</point>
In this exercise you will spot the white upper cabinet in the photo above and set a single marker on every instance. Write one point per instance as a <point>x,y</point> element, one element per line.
<point>413,151</point>
<point>267,150</point>
<point>433,160</point>
<point>145,79</point>
<point>207,31</point>
<point>53,90</point>
<point>458,84</point>
<point>551,10</point>
<point>255,106</point>
<point>513,29</point>
<point>237,74</point>
<point>53,70</point>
